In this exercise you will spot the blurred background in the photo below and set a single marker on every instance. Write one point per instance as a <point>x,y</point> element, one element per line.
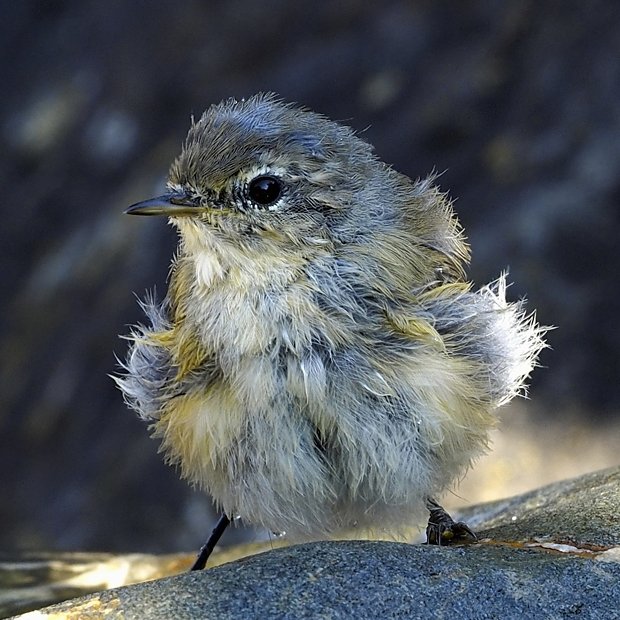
<point>514,101</point>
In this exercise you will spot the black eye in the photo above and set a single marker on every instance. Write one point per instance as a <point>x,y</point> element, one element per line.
<point>265,190</point>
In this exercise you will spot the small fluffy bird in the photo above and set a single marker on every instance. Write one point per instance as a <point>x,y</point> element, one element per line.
<point>320,360</point>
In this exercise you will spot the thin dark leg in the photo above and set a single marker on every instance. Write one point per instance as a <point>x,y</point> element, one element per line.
<point>208,547</point>
<point>443,530</point>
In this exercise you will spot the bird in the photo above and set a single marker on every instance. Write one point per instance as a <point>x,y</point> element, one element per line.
<point>320,361</point>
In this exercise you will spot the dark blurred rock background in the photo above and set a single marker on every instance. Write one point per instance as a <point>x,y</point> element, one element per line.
<point>517,101</point>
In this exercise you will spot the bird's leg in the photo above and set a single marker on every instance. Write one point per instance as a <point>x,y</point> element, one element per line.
<point>443,530</point>
<point>208,547</point>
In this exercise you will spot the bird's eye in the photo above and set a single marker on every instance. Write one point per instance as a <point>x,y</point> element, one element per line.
<point>265,190</point>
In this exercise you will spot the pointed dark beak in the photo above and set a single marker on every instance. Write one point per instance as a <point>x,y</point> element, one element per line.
<point>171,205</point>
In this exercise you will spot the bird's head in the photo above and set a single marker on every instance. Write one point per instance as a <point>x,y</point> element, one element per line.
<point>260,177</point>
<point>260,170</point>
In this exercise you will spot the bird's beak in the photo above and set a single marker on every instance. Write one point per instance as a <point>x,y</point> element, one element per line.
<point>171,205</point>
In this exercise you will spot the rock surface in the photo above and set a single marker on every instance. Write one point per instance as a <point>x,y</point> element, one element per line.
<point>583,512</point>
<point>554,553</point>
<point>372,580</point>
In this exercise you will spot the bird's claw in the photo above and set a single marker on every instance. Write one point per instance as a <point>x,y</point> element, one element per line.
<point>443,530</point>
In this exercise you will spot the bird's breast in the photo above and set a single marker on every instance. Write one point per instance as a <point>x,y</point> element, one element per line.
<point>243,303</point>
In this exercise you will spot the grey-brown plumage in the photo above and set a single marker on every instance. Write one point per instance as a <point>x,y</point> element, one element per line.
<point>320,360</point>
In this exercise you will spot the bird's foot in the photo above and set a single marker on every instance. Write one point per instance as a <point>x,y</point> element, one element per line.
<point>443,530</point>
